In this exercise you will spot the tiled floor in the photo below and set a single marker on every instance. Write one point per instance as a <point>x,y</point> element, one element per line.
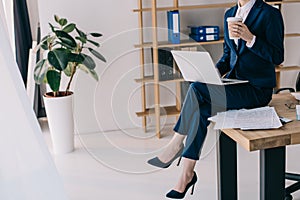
<point>112,166</point>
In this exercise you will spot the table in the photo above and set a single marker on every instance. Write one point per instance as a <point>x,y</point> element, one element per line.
<point>272,147</point>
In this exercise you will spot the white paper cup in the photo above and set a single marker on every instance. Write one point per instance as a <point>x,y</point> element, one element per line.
<point>232,20</point>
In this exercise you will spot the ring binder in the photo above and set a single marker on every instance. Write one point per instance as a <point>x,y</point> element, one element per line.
<point>173,26</point>
<point>204,33</point>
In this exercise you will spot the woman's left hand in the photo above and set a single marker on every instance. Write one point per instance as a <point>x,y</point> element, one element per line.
<point>244,32</point>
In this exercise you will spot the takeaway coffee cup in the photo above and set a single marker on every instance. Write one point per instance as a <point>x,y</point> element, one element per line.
<point>233,20</point>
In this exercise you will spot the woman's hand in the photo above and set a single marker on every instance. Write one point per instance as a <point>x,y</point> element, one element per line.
<point>240,30</point>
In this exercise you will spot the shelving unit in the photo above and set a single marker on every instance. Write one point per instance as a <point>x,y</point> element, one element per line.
<point>155,44</point>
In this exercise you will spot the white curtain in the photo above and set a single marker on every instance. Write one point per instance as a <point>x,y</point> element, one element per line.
<point>27,171</point>
<point>8,14</point>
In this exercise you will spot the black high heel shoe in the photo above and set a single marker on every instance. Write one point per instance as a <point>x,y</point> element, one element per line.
<point>157,163</point>
<point>173,194</point>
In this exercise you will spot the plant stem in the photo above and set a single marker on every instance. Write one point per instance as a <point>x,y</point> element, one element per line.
<point>71,78</point>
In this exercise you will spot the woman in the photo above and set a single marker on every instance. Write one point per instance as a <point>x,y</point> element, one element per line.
<point>252,57</point>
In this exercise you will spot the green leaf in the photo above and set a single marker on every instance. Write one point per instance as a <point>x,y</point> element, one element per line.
<point>94,43</point>
<point>82,39</point>
<point>58,58</point>
<point>97,54</point>
<point>69,28</point>
<point>51,39</point>
<point>56,18</point>
<point>62,21</point>
<point>45,38</point>
<point>53,79</point>
<point>66,38</point>
<point>83,68</point>
<point>44,46</point>
<point>40,71</point>
<point>88,62</point>
<point>52,27</point>
<point>96,34</point>
<point>78,58</point>
<point>81,34</point>
<point>94,74</point>
<point>68,70</point>
<point>89,71</point>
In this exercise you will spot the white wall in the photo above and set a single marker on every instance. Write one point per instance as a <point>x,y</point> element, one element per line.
<point>27,170</point>
<point>112,102</point>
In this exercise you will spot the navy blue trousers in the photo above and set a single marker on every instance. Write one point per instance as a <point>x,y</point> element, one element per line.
<point>203,101</point>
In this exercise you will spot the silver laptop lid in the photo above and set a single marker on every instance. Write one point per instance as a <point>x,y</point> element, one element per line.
<point>197,66</point>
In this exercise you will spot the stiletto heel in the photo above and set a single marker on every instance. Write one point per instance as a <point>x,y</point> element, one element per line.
<point>157,163</point>
<point>179,160</point>
<point>173,194</point>
<point>193,187</point>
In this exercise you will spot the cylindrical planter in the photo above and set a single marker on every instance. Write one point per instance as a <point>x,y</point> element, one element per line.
<point>61,123</point>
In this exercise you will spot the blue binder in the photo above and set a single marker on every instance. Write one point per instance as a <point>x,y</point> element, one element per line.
<point>204,38</point>
<point>173,26</point>
<point>204,30</point>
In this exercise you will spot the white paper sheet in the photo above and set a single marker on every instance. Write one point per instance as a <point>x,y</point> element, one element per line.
<point>247,119</point>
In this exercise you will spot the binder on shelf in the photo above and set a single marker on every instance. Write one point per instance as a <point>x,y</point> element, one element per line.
<point>204,38</point>
<point>165,64</point>
<point>173,26</point>
<point>204,30</point>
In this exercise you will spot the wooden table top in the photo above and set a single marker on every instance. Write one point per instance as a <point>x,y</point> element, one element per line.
<point>263,139</point>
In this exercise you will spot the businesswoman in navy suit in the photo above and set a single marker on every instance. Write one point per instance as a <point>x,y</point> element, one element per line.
<point>252,57</point>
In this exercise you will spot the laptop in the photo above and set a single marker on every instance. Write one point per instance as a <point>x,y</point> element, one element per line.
<point>197,66</point>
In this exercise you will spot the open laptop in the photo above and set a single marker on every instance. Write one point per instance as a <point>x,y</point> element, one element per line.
<point>197,66</point>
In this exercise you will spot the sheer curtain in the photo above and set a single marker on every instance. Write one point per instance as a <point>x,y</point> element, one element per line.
<point>9,18</point>
<point>27,171</point>
<point>23,38</point>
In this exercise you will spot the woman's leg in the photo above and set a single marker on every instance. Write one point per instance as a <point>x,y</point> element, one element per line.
<point>202,102</point>
<point>172,148</point>
<point>188,122</point>
<point>186,175</point>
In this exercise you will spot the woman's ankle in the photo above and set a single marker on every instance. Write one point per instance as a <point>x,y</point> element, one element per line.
<point>169,152</point>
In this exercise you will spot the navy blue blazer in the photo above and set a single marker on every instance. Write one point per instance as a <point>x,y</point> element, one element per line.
<point>256,64</point>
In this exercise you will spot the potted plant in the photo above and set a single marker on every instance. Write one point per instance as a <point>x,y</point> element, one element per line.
<point>67,49</point>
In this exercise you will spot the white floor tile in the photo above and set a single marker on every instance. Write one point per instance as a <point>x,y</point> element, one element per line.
<point>112,166</point>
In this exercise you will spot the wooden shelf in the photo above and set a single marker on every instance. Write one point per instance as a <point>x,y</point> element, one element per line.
<point>149,79</point>
<point>206,6</point>
<point>182,44</point>
<point>219,5</point>
<point>292,35</point>
<point>164,111</point>
<point>285,1</point>
<point>287,68</point>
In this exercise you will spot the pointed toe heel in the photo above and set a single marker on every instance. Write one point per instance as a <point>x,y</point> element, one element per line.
<point>158,163</point>
<point>173,194</point>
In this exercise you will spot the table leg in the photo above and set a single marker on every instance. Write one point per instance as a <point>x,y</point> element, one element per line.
<point>272,173</point>
<point>227,168</point>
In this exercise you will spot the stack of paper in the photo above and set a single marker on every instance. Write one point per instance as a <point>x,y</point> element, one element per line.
<point>247,119</point>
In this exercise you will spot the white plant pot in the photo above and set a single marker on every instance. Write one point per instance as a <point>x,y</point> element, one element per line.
<point>61,123</point>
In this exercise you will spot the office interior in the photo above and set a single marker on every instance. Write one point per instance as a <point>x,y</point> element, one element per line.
<point>109,160</point>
